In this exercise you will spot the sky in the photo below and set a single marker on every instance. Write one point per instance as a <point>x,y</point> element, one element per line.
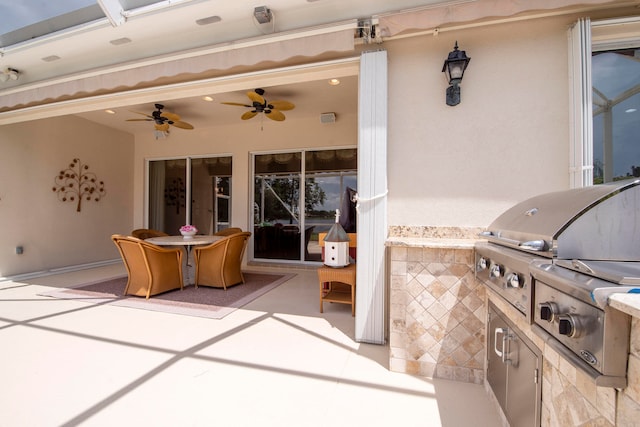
<point>17,14</point>
<point>613,75</point>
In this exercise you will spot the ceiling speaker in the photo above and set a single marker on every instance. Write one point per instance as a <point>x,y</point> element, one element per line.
<point>327,118</point>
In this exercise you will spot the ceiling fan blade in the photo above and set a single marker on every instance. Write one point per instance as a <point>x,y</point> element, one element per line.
<point>237,103</point>
<point>138,120</point>
<point>182,125</point>
<point>142,114</point>
<point>255,97</point>
<point>171,116</point>
<point>248,115</point>
<point>276,115</point>
<point>282,105</point>
<point>163,127</point>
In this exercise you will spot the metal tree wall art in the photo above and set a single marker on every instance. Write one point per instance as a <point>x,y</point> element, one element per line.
<point>76,183</point>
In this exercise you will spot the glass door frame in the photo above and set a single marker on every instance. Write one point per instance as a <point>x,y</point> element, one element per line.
<point>252,202</point>
<point>188,180</point>
<point>302,220</point>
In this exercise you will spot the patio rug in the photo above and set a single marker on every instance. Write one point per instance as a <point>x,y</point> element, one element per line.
<point>213,303</point>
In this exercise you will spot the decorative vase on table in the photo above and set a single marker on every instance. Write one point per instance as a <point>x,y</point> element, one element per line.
<point>188,231</point>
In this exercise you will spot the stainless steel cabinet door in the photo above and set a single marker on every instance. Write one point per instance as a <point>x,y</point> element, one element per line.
<point>496,369</point>
<point>513,371</point>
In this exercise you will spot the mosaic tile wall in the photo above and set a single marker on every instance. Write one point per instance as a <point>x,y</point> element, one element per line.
<point>437,313</point>
<point>628,410</point>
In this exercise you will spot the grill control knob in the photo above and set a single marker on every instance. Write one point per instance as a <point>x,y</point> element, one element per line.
<point>514,281</point>
<point>482,264</point>
<point>496,271</point>
<point>567,325</point>
<point>548,311</point>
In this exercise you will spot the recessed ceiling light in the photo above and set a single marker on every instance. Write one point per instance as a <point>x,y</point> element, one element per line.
<point>122,40</point>
<point>207,98</point>
<point>209,20</point>
<point>334,82</point>
<point>109,111</point>
<point>630,110</point>
<point>50,58</point>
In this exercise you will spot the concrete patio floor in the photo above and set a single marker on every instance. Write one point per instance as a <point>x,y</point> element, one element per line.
<point>275,362</point>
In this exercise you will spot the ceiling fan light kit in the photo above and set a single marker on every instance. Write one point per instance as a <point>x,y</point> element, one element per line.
<point>160,134</point>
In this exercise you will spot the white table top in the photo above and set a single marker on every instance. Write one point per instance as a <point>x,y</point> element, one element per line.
<point>181,240</point>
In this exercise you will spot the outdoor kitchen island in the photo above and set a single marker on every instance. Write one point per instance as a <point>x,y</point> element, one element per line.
<point>437,317</point>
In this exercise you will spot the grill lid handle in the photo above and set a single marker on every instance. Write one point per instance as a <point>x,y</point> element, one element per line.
<point>535,245</point>
<point>581,266</point>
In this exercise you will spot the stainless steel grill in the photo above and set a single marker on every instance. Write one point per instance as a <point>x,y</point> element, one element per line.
<point>556,257</point>
<point>592,223</point>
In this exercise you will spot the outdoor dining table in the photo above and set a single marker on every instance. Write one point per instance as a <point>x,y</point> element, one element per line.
<point>187,242</point>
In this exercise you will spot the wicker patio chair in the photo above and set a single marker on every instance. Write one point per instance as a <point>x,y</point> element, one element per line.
<point>151,269</point>
<point>219,265</point>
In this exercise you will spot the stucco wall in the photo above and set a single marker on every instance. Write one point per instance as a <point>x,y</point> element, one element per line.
<point>506,141</point>
<point>52,233</point>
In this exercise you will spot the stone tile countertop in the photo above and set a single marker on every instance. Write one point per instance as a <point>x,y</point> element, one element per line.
<point>433,237</point>
<point>431,242</point>
<point>627,303</point>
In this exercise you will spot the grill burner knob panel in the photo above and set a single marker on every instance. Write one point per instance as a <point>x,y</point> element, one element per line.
<point>514,281</point>
<point>567,325</point>
<point>548,311</point>
<point>496,271</point>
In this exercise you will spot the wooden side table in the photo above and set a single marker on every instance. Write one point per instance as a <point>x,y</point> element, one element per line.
<point>338,285</point>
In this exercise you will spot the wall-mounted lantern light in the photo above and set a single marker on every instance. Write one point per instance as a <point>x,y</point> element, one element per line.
<point>454,67</point>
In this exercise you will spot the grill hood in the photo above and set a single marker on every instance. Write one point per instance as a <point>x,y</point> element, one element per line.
<point>601,222</point>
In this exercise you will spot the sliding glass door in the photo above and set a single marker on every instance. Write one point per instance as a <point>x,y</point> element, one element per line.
<point>286,219</point>
<point>193,191</point>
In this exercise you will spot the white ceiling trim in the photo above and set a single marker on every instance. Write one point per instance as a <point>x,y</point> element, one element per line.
<point>307,43</point>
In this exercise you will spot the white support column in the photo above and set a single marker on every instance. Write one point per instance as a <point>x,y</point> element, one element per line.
<point>372,199</point>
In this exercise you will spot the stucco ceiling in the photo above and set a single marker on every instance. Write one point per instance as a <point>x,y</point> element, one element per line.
<point>311,99</point>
